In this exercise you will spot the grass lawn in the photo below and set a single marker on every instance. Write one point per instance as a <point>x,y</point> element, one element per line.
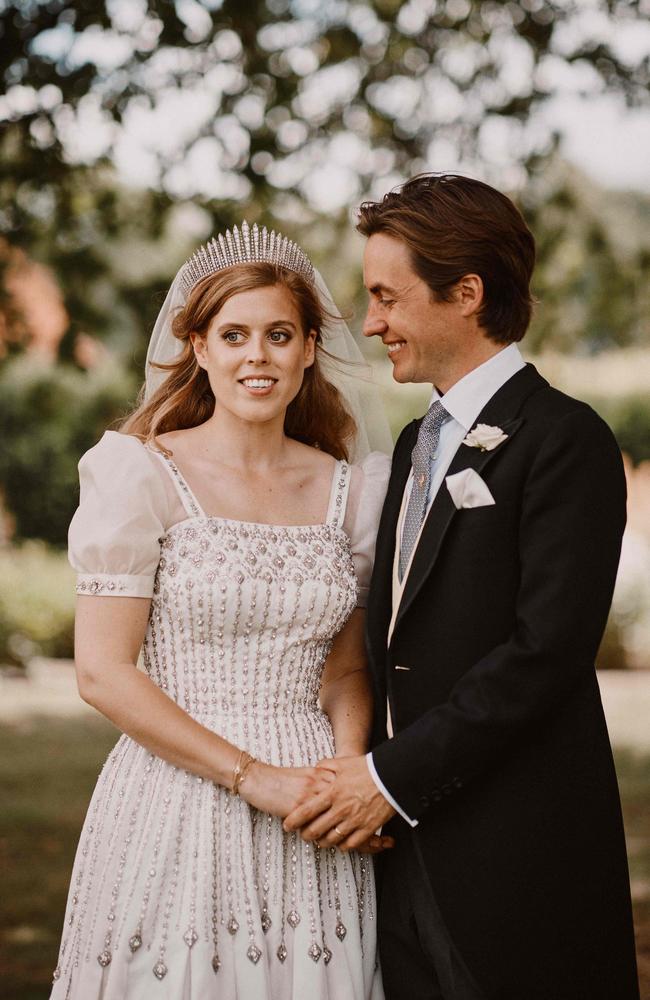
<point>47,771</point>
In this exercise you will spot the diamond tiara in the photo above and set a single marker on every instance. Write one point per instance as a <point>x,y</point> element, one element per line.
<point>245,246</point>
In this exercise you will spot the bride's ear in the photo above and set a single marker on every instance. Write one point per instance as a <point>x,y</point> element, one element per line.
<point>310,348</point>
<point>200,349</point>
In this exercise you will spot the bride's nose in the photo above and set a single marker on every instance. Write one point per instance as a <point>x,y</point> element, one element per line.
<point>258,351</point>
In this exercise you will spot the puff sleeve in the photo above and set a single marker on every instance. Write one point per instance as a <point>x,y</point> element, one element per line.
<point>367,491</point>
<point>114,536</point>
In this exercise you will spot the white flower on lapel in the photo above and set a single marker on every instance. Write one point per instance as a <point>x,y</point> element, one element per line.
<point>484,437</point>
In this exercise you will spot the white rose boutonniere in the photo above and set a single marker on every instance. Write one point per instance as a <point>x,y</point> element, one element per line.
<point>484,437</point>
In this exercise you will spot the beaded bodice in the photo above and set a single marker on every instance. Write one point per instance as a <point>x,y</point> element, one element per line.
<point>176,880</point>
<point>243,615</point>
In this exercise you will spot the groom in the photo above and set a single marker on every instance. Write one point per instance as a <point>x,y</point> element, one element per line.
<point>495,564</point>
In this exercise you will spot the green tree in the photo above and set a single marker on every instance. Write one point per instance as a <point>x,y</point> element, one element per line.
<point>285,86</point>
<point>50,415</point>
<point>593,272</point>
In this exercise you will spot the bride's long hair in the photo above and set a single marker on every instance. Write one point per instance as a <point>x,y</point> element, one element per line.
<point>317,416</point>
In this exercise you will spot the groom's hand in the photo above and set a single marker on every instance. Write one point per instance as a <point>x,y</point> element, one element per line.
<point>347,813</point>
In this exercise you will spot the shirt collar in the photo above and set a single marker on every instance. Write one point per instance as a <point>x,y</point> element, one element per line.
<point>465,400</point>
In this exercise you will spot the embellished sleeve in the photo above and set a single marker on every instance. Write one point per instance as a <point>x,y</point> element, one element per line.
<point>367,492</point>
<point>114,536</point>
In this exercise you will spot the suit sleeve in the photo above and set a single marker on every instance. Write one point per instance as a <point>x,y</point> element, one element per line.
<point>572,522</point>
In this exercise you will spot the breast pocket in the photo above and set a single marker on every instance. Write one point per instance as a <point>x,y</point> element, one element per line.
<point>487,533</point>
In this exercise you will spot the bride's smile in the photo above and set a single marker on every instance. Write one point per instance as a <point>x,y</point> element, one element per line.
<point>255,353</point>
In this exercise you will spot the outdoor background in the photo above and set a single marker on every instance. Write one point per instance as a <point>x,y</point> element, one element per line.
<point>132,130</point>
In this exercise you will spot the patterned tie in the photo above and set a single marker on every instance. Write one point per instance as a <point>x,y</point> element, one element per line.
<point>424,451</point>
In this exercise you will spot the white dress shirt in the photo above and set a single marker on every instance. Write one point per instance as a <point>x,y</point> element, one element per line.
<point>463,402</point>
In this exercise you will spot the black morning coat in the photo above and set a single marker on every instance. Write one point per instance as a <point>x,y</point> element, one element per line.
<point>500,747</point>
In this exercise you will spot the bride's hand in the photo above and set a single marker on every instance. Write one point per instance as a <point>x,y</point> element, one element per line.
<point>279,790</point>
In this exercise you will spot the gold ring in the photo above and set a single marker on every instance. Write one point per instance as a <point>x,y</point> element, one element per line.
<point>340,832</point>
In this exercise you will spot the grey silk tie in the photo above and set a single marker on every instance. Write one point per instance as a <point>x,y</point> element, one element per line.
<point>424,451</point>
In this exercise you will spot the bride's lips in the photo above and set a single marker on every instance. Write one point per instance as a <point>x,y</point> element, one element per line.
<point>258,386</point>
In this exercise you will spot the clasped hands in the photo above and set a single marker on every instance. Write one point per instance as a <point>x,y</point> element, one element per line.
<point>345,811</point>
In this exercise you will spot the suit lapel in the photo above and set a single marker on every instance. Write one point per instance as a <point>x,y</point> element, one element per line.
<point>380,596</point>
<point>508,400</point>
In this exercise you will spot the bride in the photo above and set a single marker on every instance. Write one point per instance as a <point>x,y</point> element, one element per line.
<point>225,533</point>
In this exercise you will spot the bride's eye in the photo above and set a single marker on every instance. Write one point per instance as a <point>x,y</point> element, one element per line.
<point>279,336</point>
<point>233,336</point>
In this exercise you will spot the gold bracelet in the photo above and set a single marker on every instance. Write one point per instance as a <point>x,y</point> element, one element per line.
<point>240,770</point>
<point>245,769</point>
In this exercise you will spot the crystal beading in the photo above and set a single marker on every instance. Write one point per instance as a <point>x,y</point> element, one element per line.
<point>135,942</point>
<point>160,970</point>
<point>245,246</point>
<point>241,622</point>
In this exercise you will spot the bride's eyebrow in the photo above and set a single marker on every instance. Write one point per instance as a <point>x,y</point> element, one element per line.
<point>281,322</point>
<point>244,326</point>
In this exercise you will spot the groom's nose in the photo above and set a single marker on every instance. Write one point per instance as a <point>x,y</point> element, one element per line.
<point>374,325</point>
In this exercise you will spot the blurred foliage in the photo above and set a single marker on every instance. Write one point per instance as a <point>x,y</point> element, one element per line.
<point>36,603</point>
<point>629,418</point>
<point>50,416</point>
<point>412,74</point>
<point>409,77</point>
<point>612,654</point>
<point>592,280</point>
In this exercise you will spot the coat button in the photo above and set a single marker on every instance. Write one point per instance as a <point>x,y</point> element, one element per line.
<point>457,783</point>
<point>424,801</point>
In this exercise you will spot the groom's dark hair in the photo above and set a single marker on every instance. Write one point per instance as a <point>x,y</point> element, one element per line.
<point>455,226</point>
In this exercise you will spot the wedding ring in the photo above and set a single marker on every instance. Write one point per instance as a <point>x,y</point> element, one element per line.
<point>340,832</point>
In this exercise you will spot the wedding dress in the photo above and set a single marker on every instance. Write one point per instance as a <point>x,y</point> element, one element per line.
<point>181,891</point>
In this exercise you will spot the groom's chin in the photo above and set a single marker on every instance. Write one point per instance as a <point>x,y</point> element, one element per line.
<point>404,376</point>
<point>400,374</point>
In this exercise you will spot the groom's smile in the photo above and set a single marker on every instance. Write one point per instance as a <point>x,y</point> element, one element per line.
<point>430,336</point>
<point>417,330</point>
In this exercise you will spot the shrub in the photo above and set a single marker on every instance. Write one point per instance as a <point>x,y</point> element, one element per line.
<point>49,416</point>
<point>37,599</point>
<point>629,418</point>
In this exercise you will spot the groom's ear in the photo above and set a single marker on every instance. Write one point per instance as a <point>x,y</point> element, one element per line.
<point>468,293</point>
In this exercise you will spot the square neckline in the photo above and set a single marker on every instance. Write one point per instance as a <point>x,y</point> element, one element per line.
<point>336,507</point>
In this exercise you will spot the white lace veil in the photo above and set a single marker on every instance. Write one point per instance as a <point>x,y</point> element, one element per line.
<point>343,365</point>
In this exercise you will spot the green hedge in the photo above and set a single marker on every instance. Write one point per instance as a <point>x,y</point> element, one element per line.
<point>629,418</point>
<point>37,599</point>
<point>49,416</point>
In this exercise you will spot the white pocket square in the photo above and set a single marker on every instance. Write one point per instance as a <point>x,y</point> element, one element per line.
<point>468,489</point>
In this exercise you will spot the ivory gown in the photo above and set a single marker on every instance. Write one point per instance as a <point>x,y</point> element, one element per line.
<point>180,891</point>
